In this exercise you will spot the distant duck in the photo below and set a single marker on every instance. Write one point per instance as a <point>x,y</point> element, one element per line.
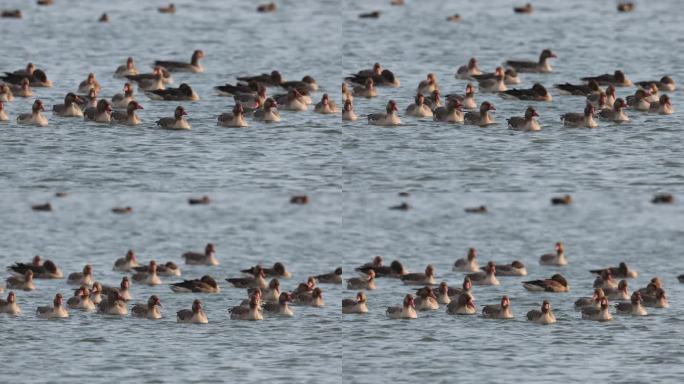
<point>179,66</point>
<point>256,281</point>
<point>269,294</point>
<point>167,269</point>
<point>500,311</point>
<point>426,300</point>
<point>152,81</point>
<point>183,93</point>
<point>21,90</point>
<point>663,198</point>
<point>525,123</point>
<point>35,117</point>
<point>366,90</point>
<point>264,8</point>
<point>326,106</point>
<point>122,210</point>
<point>56,311</point>
<point>463,305</point>
<point>451,113</point>
<point>148,278</point>
<point>537,93</point>
<point>468,264</point>
<point>195,315</point>
<point>486,277</point>
<point>527,8</point>
<point>481,118</point>
<point>81,300</point>
<point>386,119</point>
<point>84,277</point>
<point>428,85</point>
<point>617,114</point>
<point>127,69</point>
<point>370,15</point>
<point>281,307</point>
<point>666,83</point>
<point>47,207</point>
<point>299,200</point>
<point>480,209</point>
<point>367,283</point>
<point>10,305</point>
<point>592,87</point>
<point>150,310</point>
<point>621,271</point>
<point>122,100</point>
<point>544,316</point>
<point>88,84</point>
<point>656,300</point>
<point>492,83</point>
<point>25,282</point>
<point>580,120</point>
<point>395,269</point>
<point>516,268</point>
<point>206,284</point>
<point>251,312</point>
<point>426,278</point>
<point>598,314</point>
<point>406,311</point>
<point>455,18</point>
<point>315,299</point>
<point>350,306</point>
<point>617,79</point>
<point>348,113</point>
<point>129,117</point>
<point>555,259</point>
<point>468,99</point>
<point>306,84</point>
<point>70,108</point>
<point>594,301</point>
<point>419,108</point>
<point>204,200</point>
<point>465,72</point>
<point>102,113</point>
<point>541,66</point>
<point>625,6</point>
<point>662,107</point>
<point>46,270</point>
<point>208,257</point>
<point>269,113</point>
<point>620,293</point>
<point>561,200</point>
<point>126,263</point>
<point>634,307</point>
<point>292,101</point>
<point>123,290</point>
<point>36,78</point>
<point>556,283</point>
<point>171,8</point>
<point>236,119</point>
<point>177,122</point>
<point>639,100</point>
<point>334,277</point>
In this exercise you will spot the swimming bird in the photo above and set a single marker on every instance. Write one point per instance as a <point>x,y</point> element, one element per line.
<point>662,107</point>
<point>46,270</point>
<point>37,78</point>
<point>346,92</point>
<point>419,108</point>
<point>395,269</point>
<point>442,293</point>
<point>269,294</point>
<point>56,311</point>
<point>426,300</point>
<point>479,209</point>
<point>70,108</point>
<point>81,300</point>
<point>184,92</point>
<point>121,100</point>
<point>129,117</point>
<point>468,99</point>
<point>307,83</point>
<point>359,305</point>
<point>149,277</point>
<point>451,113</point>
<point>525,123</point>
<point>21,90</point>
<point>428,85</point>
<point>493,83</point>
<point>639,100</point>
<point>500,311</point>
<point>269,113</point>
<point>252,312</point>
<point>481,118</point>
<point>208,257</point>
<point>315,299</point>
<point>123,290</point>
<point>177,122</point>
<point>463,305</point>
<point>326,106</point>
<point>617,114</point>
<point>433,100</point>
<point>597,314</point>
<point>10,305</point>
<point>466,287</point>
<point>96,293</point>
<point>151,310</point>
<point>406,311</point>
<point>634,307</point>
<point>469,263</point>
<point>236,119</point>
<point>35,117</point>
<point>592,87</point>
<point>621,271</point>
<point>666,83</point>
<point>617,79</point>
<point>486,277</point>
<point>561,200</point>
<point>580,120</point>
<point>593,301</point>
<point>620,293</point>
<point>556,283</point>
<point>541,66</point>
<point>599,102</point>
<point>89,83</point>
<point>122,210</point>
<point>205,284</point>
<point>527,8</point>
<point>84,277</point>
<point>366,90</point>
<point>555,259</point>
<point>195,315</point>
<point>380,76</point>
<point>348,113</point>
<point>426,278</point>
<point>537,93</point>
<point>255,281</point>
<point>465,72</point>
<point>179,66</point>
<point>171,8</point>
<point>24,282</point>
<point>152,81</point>
<point>292,101</point>
<point>272,79</point>
<point>102,113</point>
<point>386,119</point>
<point>367,283</point>
<point>281,307</point>
<point>334,277</point>
<point>544,316</point>
<point>516,268</point>
<point>127,69</point>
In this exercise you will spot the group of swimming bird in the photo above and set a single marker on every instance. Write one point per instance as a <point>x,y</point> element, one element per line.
<point>249,93</point>
<point>429,102</point>
<point>264,297</point>
<point>460,300</point>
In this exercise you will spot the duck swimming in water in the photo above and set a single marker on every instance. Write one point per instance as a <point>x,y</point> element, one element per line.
<point>177,122</point>
<point>178,66</point>
<point>540,66</point>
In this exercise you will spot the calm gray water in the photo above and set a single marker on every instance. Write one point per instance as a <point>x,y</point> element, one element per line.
<point>352,172</point>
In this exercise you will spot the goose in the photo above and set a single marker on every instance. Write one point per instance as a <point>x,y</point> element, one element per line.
<point>617,114</point>
<point>591,88</point>
<point>465,72</point>
<point>205,284</point>
<point>395,269</point>
<point>81,300</point>
<point>272,79</point>
<point>541,66</point>
<point>639,100</point>
<point>233,120</point>
<point>634,307</point>
<point>355,306</point>
<point>35,117</point>
<point>155,80</point>
<point>486,277</point>
<point>10,305</point>
<point>386,119</point>
<point>122,100</point>
<point>250,88</point>
<point>292,101</point>
<point>127,69</point>
<point>367,283</point>
<point>24,283</point>
<point>178,66</point>
<point>407,311</point>
<point>664,84</point>
<point>622,271</point>
<point>46,270</point>
<point>256,281</point>
<point>84,277</point>
<point>537,93</point>
<point>428,85</point>
<point>278,270</point>
<point>500,311</point>
<point>419,108</point>
<point>281,307</point>
<point>466,287</point>
<point>481,118</point>
<point>598,314</point>
<point>617,79</point>
<point>662,107</point>
<point>348,113</point>
<point>150,310</point>
<point>469,263</point>
<point>527,8</point>
<point>600,102</point>
<point>129,117</point>
<point>123,290</point>
<point>463,305</point>
<point>37,78</point>
<point>555,259</point>
<point>593,301</point>
<point>657,300</point>
<point>516,268</point>
<point>427,278</point>
<point>149,277</point>
<point>56,311</point>
<point>70,108</point>
<point>206,258</point>
<point>96,293</point>
<point>493,83</point>
<point>102,113</point>
<point>334,277</point>
<point>184,92</point>
<point>544,316</point>
<point>313,300</point>
<point>556,283</point>
<point>177,122</point>
<point>307,83</point>
<point>195,315</point>
<point>580,120</point>
<point>434,100</point>
<point>620,293</point>
<point>442,293</point>
<point>326,106</point>
<point>380,76</point>
<point>269,113</point>
<point>89,83</point>
<point>468,99</point>
<point>367,90</point>
<point>22,89</point>
<point>171,8</point>
<point>269,294</point>
<point>252,312</point>
<point>525,123</point>
<point>451,113</point>
<point>167,269</point>
<point>426,300</point>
